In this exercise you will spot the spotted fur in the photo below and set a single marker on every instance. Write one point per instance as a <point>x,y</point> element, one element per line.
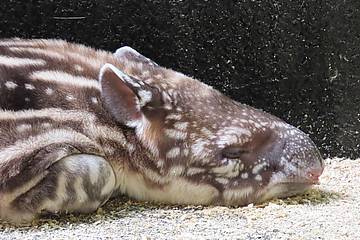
<point>79,125</point>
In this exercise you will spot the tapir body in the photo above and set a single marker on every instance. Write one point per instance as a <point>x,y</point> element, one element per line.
<point>79,125</point>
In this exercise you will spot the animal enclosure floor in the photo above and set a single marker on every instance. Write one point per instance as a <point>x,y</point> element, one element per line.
<point>330,211</point>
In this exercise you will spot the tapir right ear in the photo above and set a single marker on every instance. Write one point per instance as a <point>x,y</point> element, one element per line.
<point>128,54</point>
<point>122,95</point>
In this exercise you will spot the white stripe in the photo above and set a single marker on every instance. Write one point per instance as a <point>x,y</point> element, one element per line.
<point>78,53</point>
<point>18,62</point>
<point>41,51</point>
<point>67,55</point>
<point>56,114</point>
<point>65,78</point>
<point>19,43</point>
<point>27,146</point>
<point>93,129</point>
<point>6,199</point>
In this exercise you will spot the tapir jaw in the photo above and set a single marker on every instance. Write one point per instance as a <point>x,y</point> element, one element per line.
<point>283,190</point>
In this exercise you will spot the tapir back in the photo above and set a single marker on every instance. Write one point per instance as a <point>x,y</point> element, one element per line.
<point>39,74</point>
<point>49,95</point>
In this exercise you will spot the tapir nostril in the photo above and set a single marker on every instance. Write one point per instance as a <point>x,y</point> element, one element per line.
<point>314,174</point>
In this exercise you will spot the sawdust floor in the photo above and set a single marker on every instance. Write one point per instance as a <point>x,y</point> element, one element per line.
<point>330,211</point>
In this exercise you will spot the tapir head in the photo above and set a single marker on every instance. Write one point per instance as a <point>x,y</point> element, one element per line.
<point>197,134</point>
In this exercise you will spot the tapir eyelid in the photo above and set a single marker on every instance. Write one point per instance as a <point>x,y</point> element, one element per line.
<point>233,152</point>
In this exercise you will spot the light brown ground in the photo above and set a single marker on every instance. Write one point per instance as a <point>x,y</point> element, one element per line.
<point>330,211</point>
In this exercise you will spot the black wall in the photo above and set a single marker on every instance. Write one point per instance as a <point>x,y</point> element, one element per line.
<point>298,60</point>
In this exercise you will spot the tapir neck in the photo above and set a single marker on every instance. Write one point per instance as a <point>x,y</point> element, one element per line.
<point>127,156</point>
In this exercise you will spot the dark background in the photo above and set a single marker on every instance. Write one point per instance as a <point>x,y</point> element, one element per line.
<point>299,60</point>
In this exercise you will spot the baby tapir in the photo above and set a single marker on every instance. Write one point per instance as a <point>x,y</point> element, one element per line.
<point>78,126</point>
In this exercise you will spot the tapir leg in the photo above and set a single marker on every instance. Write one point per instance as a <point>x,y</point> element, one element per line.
<point>76,183</point>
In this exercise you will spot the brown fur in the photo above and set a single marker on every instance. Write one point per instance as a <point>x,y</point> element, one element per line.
<point>165,136</point>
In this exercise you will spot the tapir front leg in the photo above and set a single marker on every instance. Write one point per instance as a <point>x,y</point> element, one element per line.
<point>76,183</point>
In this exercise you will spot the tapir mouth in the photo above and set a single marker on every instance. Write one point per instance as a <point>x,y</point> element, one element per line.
<point>286,189</point>
<point>294,188</point>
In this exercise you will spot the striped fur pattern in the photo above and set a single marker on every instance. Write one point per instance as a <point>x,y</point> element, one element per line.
<point>79,125</point>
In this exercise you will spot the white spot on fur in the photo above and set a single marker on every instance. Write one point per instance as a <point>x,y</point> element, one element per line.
<point>10,85</point>
<point>198,149</point>
<point>186,152</point>
<point>49,91</point>
<point>205,131</point>
<point>277,178</point>
<point>172,133</point>
<point>230,169</point>
<point>232,135</point>
<point>167,106</point>
<point>176,171</point>
<point>182,126</point>
<point>94,100</point>
<point>29,86</point>
<point>78,68</point>
<point>244,175</point>
<point>258,167</point>
<point>174,116</point>
<point>27,99</point>
<point>223,181</point>
<point>258,177</point>
<point>173,153</point>
<point>69,98</point>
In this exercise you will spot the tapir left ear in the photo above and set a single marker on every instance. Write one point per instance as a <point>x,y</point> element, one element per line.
<point>123,96</point>
<point>128,54</point>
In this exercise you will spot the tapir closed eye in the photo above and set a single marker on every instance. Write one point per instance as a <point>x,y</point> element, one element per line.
<point>78,126</point>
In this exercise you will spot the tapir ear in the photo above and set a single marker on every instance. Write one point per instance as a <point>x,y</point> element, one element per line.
<point>131,55</point>
<point>123,96</point>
